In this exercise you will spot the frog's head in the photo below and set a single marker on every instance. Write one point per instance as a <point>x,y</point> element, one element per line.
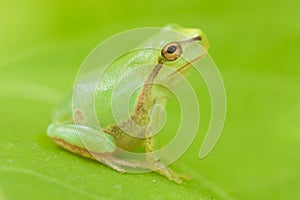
<point>191,33</point>
<point>180,48</point>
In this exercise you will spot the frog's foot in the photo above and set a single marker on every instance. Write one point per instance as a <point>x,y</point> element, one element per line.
<point>161,169</point>
<point>116,163</point>
<point>155,166</point>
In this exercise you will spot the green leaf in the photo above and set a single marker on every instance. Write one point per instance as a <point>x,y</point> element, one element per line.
<point>256,47</point>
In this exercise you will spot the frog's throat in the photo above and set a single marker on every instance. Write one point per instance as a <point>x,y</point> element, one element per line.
<point>144,102</point>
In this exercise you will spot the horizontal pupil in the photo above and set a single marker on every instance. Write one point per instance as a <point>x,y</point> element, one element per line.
<point>171,49</point>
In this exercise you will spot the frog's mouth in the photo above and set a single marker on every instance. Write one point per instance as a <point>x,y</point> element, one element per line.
<point>188,64</point>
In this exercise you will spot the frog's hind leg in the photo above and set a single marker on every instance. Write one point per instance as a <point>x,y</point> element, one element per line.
<point>69,138</point>
<point>85,153</point>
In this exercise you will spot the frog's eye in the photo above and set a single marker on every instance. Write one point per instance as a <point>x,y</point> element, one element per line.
<point>171,51</point>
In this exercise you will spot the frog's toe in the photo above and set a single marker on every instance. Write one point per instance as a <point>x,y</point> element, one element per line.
<point>113,166</point>
<point>169,173</point>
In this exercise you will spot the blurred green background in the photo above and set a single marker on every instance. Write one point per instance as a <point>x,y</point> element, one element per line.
<point>256,47</point>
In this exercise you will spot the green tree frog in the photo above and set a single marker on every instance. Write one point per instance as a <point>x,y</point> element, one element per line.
<point>65,123</point>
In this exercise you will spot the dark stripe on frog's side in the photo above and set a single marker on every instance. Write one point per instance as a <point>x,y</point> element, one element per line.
<point>145,101</point>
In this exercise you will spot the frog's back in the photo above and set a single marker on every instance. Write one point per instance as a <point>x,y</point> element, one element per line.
<point>115,81</point>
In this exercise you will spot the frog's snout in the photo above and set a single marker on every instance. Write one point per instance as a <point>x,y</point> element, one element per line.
<point>204,42</point>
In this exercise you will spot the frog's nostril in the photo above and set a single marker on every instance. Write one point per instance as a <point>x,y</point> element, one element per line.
<point>198,38</point>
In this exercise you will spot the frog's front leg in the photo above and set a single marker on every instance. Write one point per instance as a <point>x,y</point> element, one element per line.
<point>156,114</point>
<point>153,163</point>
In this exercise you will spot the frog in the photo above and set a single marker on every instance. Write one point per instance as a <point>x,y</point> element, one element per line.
<point>104,142</point>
